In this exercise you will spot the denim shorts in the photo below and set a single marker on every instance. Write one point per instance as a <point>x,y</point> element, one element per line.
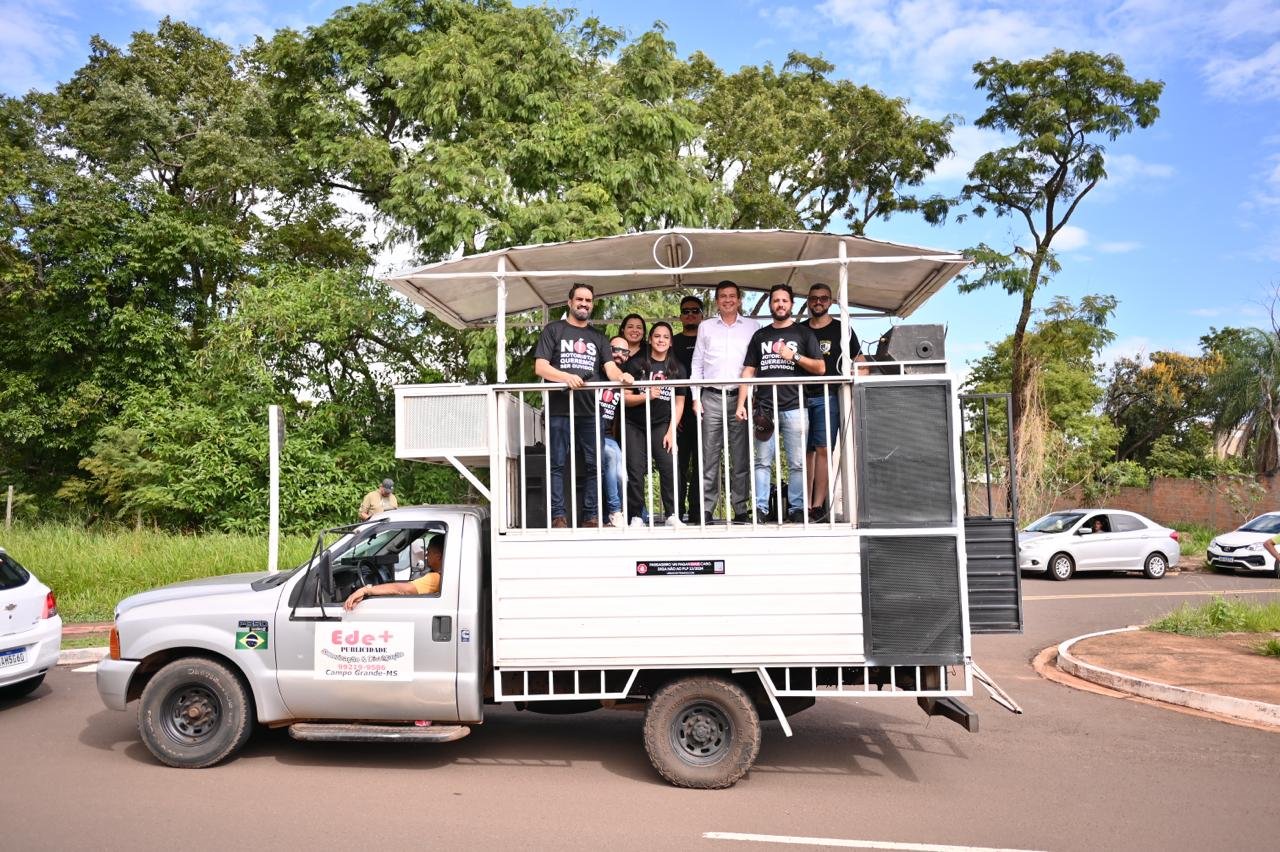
<point>824,422</point>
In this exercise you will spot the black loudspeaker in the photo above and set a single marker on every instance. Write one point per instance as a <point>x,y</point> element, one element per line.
<point>535,485</point>
<point>925,342</point>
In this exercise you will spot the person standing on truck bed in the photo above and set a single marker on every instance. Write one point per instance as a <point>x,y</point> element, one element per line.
<point>380,499</point>
<point>570,352</point>
<point>613,464</point>
<point>690,475</point>
<point>823,401</point>
<point>717,359</point>
<point>652,415</point>
<point>427,584</point>
<point>782,349</point>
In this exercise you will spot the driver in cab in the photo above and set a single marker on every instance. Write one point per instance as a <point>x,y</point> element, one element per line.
<point>427,584</point>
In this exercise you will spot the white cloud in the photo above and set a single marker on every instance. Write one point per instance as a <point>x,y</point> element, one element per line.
<point>182,10</point>
<point>1126,347</point>
<point>1070,238</point>
<point>1251,78</point>
<point>1122,168</point>
<point>969,143</point>
<point>35,40</point>
<point>1118,247</point>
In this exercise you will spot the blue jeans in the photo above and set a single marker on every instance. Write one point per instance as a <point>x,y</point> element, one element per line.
<point>824,421</point>
<point>613,470</point>
<point>584,429</point>
<point>791,424</point>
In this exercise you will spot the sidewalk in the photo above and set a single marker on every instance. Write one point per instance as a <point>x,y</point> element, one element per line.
<point>1219,675</point>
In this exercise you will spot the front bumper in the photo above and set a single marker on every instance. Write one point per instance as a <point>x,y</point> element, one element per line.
<point>1238,560</point>
<point>113,681</point>
<point>42,642</point>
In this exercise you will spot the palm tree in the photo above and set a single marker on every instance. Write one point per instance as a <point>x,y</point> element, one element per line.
<point>1247,389</point>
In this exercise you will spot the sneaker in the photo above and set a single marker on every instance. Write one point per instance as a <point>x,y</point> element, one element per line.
<point>742,518</point>
<point>818,514</point>
<point>674,521</point>
<point>591,522</point>
<point>617,519</point>
<point>795,516</point>
<point>763,517</point>
<point>559,523</point>
<point>637,521</point>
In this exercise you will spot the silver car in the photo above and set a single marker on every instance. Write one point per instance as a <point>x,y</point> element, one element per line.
<point>1062,543</point>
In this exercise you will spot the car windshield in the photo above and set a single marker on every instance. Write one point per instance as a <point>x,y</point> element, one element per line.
<point>1056,522</point>
<point>1264,524</point>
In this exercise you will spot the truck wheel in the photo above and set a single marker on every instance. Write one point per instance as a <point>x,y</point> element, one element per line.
<point>194,713</point>
<point>701,732</point>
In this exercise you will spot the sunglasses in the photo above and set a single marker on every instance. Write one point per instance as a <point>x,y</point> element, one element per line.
<point>689,311</point>
<point>620,350</point>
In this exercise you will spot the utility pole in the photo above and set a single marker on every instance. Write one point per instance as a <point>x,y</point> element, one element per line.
<point>8,510</point>
<point>276,440</point>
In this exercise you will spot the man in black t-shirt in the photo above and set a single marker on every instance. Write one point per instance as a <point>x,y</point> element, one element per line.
<point>691,309</point>
<point>572,353</point>
<point>824,407</point>
<point>782,349</point>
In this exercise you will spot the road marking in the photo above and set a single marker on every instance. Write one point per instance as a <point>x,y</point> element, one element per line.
<point>92,667</point>
<point>1222,593</point>
<point>850,844</point>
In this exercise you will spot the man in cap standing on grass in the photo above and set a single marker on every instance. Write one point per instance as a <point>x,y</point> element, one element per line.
<point>380,499</point>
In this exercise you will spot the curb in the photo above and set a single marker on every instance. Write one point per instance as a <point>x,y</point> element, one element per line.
<point>1237,708</point>
<point>81,656</point>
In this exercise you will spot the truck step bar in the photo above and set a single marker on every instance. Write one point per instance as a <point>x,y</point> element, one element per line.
<point>950,708</point>
<point>333,732</point>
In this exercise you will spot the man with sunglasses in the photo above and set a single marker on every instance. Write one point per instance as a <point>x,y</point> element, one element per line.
<point>688,476</point>
<point>824,407</point>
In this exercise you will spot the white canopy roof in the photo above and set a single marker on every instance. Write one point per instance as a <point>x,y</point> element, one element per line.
<point>886,278</point>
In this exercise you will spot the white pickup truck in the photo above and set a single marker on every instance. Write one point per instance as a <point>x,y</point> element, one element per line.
<point>708,624</point>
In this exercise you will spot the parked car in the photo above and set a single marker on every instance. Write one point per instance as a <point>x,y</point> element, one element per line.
<point>1062,543</point>
<point>30,629</point>
<point>1243,550</point>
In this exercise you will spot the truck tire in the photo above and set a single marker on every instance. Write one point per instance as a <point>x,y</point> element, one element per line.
<point>194,712</point>
<point>701,732</point>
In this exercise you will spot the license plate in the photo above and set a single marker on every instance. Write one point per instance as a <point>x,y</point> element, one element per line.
<point>13,657</point>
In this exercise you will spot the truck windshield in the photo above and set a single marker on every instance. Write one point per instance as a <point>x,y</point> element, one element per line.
<point>1056,522</point>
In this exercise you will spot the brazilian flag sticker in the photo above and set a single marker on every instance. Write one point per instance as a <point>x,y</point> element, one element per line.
<point>251,640</point>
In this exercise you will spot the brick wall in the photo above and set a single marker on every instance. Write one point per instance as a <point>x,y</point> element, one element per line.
<point>1222,504</point>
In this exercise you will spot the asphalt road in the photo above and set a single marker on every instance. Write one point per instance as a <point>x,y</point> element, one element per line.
<point>1076,771</point>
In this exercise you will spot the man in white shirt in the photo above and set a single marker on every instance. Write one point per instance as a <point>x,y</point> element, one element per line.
<point>717,359</point>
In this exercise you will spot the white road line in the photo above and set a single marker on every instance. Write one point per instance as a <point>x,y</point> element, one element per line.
<point>849,844</point>
<point>1222,593</point>
<point>92,667</point>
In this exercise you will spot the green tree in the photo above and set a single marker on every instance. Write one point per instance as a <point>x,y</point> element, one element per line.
<point>1060,108</point>
<point>797,149</point>
<point>1163,401</point>
<point>1246,392</point>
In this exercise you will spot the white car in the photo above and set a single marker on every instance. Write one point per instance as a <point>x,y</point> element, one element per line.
<point>1062,543</point>
<point>1243,550</point>
<point>30,629</point>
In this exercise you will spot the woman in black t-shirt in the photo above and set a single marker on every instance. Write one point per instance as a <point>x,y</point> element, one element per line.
<point>653,441</point>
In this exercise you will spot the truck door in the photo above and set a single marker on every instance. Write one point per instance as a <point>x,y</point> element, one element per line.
<point>394,656</point>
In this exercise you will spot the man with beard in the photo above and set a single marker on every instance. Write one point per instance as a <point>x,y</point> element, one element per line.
<point>783,349</point>
<point>571,353</point>
<point>824,408</point>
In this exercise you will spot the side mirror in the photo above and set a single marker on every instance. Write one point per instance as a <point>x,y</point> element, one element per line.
<point>1085,531</point>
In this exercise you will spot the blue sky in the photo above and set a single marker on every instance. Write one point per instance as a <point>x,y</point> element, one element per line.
<point>1186,233</point>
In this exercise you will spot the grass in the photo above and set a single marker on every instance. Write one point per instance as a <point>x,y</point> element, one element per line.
<point>1270,648</point>
<point>90,571</point>
<point>1221,615</point>
<point>1194,538</point>
<point>93,640</point>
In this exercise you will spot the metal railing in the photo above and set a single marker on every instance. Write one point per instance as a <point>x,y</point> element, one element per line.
<point>530,506</point>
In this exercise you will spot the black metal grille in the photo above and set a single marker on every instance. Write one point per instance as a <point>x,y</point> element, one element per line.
<point>912,590</point>
<point>904,451</point>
